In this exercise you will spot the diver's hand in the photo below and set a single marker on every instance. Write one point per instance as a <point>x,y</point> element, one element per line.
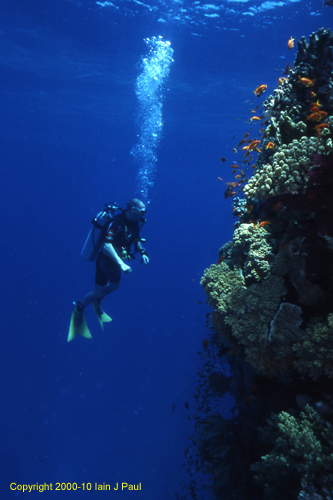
<point>144,259</point>
<point>125,268</point>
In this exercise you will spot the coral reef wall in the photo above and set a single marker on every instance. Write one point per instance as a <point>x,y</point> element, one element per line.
<point>272,294</point>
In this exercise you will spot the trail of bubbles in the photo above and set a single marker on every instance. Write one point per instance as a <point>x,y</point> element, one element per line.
<point>149,90</point>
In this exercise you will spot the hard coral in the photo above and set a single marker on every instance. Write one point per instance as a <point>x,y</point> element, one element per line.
<point>250,242</point>
<point>222,284</point>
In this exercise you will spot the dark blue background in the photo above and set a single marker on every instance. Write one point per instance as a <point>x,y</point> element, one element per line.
<point>101,410</point>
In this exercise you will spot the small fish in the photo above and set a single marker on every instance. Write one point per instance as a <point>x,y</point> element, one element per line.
<point>264,223</point>
<point>316,104</point>
<point>255,119</point>
<point>315,117</point>
<point>287,70</point>
<point>223,159</point>
<point>321,126</point>
<point>270,145</point>
<point>186,406</point>
<point>291,43</point>
<point>253,145</point>
<point>306,81</point>
<point>323,114</point>
<point>232,184</point>
<point>228,192</point>
<point>260,90</point>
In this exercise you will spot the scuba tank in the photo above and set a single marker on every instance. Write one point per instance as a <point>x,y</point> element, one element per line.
<point>97,233</point>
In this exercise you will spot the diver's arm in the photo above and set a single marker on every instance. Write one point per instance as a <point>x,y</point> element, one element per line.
<point>109,251</point>
<point>142,251</point>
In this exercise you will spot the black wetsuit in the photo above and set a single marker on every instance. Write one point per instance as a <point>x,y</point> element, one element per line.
<point>122,233</point>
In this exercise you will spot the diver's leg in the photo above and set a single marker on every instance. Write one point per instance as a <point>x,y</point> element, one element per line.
<point>98,294</point>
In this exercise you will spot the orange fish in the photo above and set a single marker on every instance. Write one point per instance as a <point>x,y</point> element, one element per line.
<point>320,127</point>
<point>234,166</point>
<point>260,90</point>
<point>306,81</point>
<point>254,119</point>
<point>270,145</point>
<point>315,117</point>
<point>253,145</point>
<point>264,223</point>
<point>291,43</point>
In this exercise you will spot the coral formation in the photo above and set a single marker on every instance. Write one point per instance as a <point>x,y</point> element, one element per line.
<point>252,241</point>
<point>289,166</point>
<point>222,285</point>
<point>301,455</point>
<point>272,294</point>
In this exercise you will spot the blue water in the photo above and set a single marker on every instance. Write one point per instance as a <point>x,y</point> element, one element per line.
<point>102,410</point>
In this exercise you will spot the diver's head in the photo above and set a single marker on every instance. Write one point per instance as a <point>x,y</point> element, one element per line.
<point>135,209</point>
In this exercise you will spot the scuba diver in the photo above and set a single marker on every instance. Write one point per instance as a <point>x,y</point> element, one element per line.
<point>110,240</point>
